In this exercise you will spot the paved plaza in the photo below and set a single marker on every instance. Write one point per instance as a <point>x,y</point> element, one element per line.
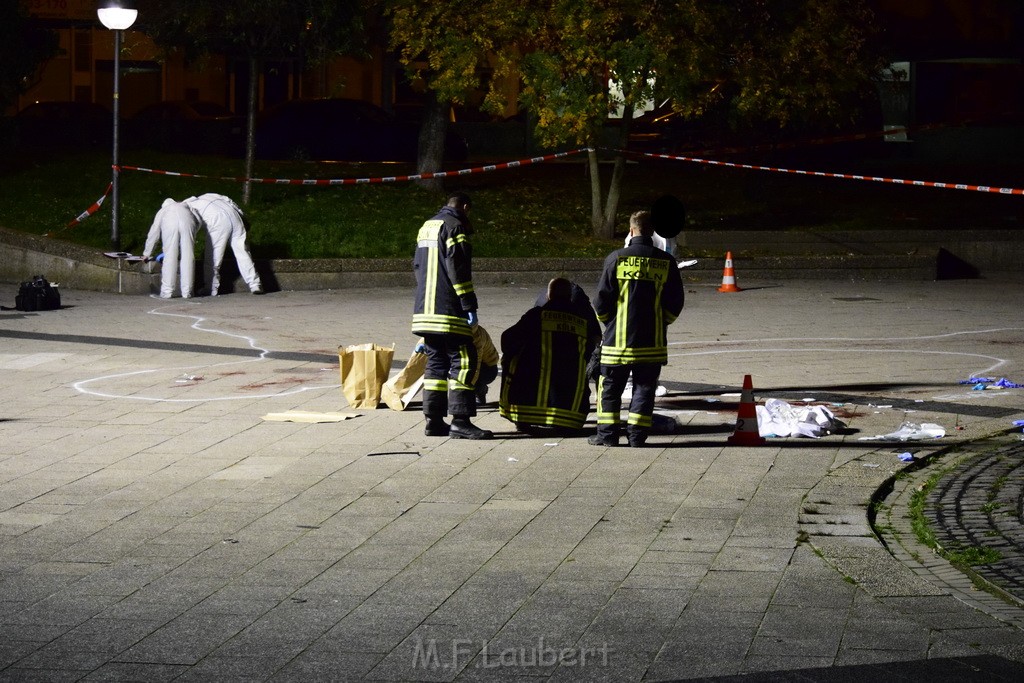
<point>155,526</point>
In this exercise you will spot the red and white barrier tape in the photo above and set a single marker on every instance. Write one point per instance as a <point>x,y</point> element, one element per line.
<point>337,181</point>
<point>826,174</point>
<point>368,181</point>
<point>548,157</point>
<point>849,137</point>
<point>88,212</point>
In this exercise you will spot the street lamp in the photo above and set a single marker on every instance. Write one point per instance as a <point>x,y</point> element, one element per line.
<point>116,15</point>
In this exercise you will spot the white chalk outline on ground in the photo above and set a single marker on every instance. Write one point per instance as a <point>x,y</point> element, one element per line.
<point>959,396</point>
<point>80,386</point>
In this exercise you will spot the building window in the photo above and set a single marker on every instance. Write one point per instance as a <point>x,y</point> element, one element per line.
<point>83,51</point>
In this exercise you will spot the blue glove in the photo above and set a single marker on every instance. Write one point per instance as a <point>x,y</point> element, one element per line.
<point>419,348</point>
<point>160,257</point>
<point>473,319</point>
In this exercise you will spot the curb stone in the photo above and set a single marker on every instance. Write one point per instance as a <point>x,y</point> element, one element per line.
<point>902,542</point>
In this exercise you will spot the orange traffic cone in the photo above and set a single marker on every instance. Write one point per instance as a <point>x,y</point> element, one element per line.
<point>746,433</point>
<point>729,276</point>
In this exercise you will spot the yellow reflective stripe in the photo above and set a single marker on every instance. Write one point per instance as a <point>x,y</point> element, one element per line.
<point>581,374</point>
<point>621,314</point>
<point>440,324</point>
<point>430,287</point>
<point>611,355</point>
<point>641,268</point>
<point>544,380</point>
<point>427,237</point>
<point>640,420</point>
<point>659,321</point>
<point>558,417</point>
<point>605,417</point>
<point>557,321</point>
<point>429,231</point>
<point>462,378</point>
<point>435,384</point>
<point>462,288</point>
<point>507,385</point>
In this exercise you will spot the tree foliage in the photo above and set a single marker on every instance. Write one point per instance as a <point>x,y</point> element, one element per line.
<point>24,46</point>
<point>443,46</point>
<point>783,62</point>
<point>256,31</point>
<point>780,62</point>
<point>265,29</point>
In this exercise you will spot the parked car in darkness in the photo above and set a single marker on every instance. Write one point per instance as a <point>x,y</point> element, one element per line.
<point>64,125</point>
<point>177,125</point>
<point>338,129</point>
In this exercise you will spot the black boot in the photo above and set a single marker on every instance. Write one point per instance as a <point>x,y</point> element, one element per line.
<point>462,428</point>
<point>436,426</point>
<point>435,407</point>
<point>607,436</point>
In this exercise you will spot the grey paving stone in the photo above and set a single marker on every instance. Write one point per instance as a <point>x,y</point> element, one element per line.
<point>122,671</point>
<point>258,550</point>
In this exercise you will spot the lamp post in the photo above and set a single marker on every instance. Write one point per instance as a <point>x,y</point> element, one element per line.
<point>117,16</point>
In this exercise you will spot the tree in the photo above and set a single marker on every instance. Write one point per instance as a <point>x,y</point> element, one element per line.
<point>780,61</point>
<point>443,45</point>
<point>24,46</point>
<point>256,31</point>
<point>785,62</point>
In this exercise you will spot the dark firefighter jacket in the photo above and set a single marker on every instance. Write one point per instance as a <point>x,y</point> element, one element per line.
<point>444,281</point>
<point>640,293</point>
<point>544,360</point>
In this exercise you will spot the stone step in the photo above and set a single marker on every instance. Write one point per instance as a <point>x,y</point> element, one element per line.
<point>763,260</point>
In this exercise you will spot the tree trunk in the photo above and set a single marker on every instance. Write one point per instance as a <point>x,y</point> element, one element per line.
<point>250,129</point>
<point>597,221</point>
<point>431,142</point>
<point>603,221</point>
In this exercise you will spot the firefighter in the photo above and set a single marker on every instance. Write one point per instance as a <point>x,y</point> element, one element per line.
<point>174,226</point>
<point>544,364</point>
<point>444,314</point>
<point>488,359</point>
<point>639,294</point>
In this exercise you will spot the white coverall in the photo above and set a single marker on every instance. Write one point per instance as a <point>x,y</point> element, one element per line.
<point>175,227</point>
<point>224,223</point>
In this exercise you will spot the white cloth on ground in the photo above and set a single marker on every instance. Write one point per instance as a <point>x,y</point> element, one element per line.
<point>778,418</point>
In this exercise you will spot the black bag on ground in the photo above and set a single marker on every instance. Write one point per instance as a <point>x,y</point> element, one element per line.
<point>37,295</point>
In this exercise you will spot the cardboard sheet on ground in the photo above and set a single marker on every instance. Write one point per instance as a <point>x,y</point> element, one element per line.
<point>308,417</point>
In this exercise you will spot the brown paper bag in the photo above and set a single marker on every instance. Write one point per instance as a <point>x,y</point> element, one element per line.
<point>364,369</point>
<point>399,391</point>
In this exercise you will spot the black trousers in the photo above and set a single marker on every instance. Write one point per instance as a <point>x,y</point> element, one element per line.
<point>610,386</point>
<point>448,378</point>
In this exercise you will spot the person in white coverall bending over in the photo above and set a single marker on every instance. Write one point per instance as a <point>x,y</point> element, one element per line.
<point>224,224</point>
<point>175,227</point>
